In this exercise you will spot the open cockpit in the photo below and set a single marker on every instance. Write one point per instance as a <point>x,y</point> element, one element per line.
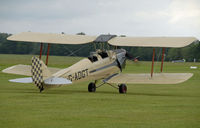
<point>98,55</point>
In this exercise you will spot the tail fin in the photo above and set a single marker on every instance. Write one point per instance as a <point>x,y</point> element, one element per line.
<point>39,72</point>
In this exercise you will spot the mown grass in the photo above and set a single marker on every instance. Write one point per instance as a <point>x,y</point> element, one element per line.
<point>164,106</point>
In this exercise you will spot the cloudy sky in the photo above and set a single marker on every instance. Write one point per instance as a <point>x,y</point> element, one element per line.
<point>121,17</point>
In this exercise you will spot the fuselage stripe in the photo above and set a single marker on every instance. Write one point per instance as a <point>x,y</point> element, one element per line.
<point>107,66</point>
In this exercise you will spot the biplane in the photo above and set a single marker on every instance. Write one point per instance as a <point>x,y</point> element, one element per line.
<point>101,67</point>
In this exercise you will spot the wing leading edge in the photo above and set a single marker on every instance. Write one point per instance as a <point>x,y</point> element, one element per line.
<point>158,78</point>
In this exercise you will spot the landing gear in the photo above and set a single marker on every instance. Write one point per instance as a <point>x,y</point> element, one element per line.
<point>122,88</point>
<point>91,87</point>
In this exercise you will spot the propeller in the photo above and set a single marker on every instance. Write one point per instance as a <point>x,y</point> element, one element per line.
<point>131,57</point>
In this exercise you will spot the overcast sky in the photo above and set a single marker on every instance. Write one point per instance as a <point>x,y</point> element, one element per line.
<point>94,17</point>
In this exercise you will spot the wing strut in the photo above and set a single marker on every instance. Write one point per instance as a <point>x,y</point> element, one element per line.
<point>47,54</point>
<point>163,53</point>
<point>152,66</point>
<point>41,46</point>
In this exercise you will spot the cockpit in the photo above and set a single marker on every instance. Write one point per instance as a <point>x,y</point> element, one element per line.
<point>95,56</point>
<point>103,54</point>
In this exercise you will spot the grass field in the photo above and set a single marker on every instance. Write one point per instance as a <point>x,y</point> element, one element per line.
<point>148,106</point>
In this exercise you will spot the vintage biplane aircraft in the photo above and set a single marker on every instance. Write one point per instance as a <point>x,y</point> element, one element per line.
<point>102,65</point>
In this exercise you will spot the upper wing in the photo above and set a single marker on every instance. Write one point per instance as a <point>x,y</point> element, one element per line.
<point>51,38</point>
<point>25,70</point>
<point>158,78</point>
<point>116,41</point>
<point>152,41</point>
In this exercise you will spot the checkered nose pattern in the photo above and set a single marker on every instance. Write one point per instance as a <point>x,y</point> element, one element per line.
<point>36,70</point>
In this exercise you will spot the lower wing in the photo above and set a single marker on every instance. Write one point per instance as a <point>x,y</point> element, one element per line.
<point>158,78</point>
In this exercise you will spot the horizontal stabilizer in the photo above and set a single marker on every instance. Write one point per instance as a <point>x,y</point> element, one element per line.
<point>22,80</point>
<point>57,81</point>
<point>158,78</point>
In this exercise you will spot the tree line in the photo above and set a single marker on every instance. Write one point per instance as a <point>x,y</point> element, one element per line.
<point>188,53</point>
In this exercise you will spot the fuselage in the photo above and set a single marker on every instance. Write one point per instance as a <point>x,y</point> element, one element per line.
<point>99,65</point>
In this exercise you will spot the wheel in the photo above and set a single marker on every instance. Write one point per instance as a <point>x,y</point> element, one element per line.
<point>91,87</point>
<point>122,88</point>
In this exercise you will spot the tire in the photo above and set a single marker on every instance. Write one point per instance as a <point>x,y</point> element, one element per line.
<point>91,87</point>
<point>122,88</point>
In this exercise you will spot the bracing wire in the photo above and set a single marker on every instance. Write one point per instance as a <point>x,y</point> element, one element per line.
<point>77,50</point>
<point>71,52</point>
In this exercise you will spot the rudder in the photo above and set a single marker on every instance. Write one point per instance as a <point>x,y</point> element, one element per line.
<point>39,72</point>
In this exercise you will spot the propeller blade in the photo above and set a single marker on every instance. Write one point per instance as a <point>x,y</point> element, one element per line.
<point>131,57</point>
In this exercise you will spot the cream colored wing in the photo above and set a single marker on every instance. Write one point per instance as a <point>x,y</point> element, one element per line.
<point>25,70</point>
<point>52,38</point>
<point>152,41</point>
<point>158,78</point>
